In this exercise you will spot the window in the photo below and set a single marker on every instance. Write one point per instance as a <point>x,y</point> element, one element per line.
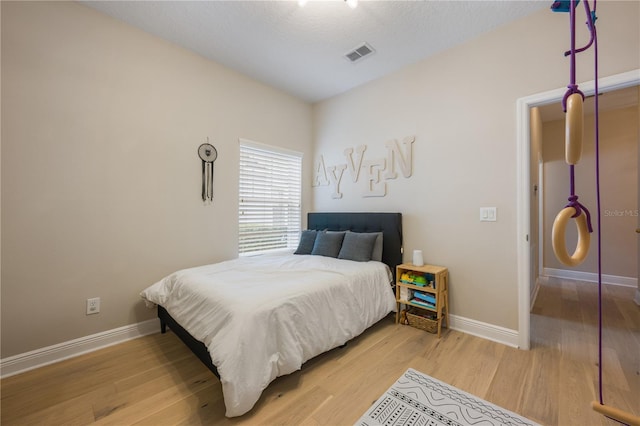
<point>269,214</point>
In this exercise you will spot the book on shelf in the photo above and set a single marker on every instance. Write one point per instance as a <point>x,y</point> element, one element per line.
<point>428,297</point>
<point>405,293</point>
<point>424,303</point>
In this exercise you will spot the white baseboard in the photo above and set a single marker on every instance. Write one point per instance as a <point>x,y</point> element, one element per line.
<point>591,277</point>
<point>51,354</point>
<point>492,332</point>
<point>61,351</point>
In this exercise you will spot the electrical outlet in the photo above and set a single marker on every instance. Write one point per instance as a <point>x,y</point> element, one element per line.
<point>93,306</point>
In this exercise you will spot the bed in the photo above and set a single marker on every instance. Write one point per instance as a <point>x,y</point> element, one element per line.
<point>252,319</point>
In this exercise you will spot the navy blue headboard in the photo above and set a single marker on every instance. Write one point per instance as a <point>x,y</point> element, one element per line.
<point>389,223</point>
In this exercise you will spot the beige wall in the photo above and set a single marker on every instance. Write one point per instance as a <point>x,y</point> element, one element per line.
<point>460,106</point>
<point>618,189</point>
<point>101,184</point>
<point>100,176</point>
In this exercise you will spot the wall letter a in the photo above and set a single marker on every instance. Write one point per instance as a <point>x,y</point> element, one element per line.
<point>319,173</point>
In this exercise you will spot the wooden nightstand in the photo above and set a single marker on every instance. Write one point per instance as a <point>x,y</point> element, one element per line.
<point>426,290</point>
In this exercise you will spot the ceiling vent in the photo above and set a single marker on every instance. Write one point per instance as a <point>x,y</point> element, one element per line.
<point>359,52</point>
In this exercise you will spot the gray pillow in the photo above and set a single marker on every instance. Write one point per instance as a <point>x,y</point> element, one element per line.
<point>377,248</point>
<point>357,246</point>
<point>328,244</point>
<point>307,239</point>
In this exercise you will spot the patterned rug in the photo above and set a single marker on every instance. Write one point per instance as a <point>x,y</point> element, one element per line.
<point>419,400</point>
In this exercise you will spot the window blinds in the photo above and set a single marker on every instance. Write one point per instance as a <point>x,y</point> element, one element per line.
<point>269,214</point>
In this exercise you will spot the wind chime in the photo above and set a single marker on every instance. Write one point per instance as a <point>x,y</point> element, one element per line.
<point>208,155</point>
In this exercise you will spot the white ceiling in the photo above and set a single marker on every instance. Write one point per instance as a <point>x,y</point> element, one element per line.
<point>301,49</point>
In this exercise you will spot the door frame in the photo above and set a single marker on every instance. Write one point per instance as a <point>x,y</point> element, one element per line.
<point>523,154</point>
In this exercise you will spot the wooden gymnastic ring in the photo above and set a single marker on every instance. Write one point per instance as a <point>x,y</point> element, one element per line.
<point>574,129</point>
<point>558,240</point>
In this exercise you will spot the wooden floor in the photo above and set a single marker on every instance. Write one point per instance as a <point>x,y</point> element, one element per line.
<point>155,380</point>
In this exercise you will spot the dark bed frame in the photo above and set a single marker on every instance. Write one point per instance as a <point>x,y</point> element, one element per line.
<point>390,224</point>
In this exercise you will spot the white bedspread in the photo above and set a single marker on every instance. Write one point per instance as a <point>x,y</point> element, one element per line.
<point>263,317</point>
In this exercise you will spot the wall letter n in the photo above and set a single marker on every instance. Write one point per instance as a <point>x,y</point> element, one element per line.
<point>405,161</point>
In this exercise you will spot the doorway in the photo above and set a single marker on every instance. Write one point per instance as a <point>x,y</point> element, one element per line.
<point>528,235</point>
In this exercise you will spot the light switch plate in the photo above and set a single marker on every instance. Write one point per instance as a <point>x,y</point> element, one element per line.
<point>488,214</point>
